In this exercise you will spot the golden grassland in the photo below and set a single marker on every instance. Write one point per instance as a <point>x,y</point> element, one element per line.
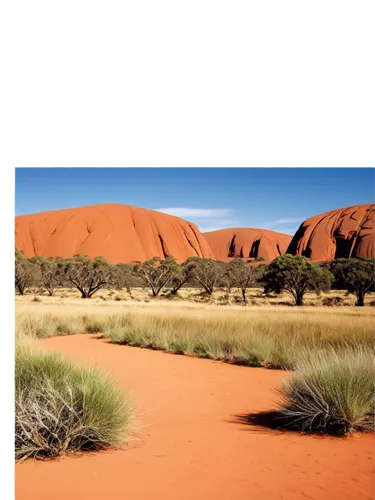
<point>264,333</point>
<point>329,347</point>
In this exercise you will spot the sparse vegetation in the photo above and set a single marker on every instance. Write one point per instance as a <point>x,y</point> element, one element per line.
<point>206,272</point>
<point>157,273</point>
<point>238,274</point>
<point>328,342</point>
<point>25,273</point>
<point>125,277</point>
<point>50,273</point>
<point>61,408</point>
<point>182,275</point>
<point>256,336</point>
<point>88,276</point>
<point>296,275</point>
<point>355,275</point>
<point>331,391</point>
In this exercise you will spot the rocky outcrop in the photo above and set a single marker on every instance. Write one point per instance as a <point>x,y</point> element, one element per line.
<point>346,232</point>
<point>119,233</point>
<point>247,243</point>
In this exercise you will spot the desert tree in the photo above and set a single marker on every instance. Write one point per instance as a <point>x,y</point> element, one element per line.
<point>124,277</point>
<point>226,278</point>
<point>88,276</point>
<point>357,276</point>
<point>157,273</point>
<point>182,275</point>
<point>240,275</point>
<point>296,275</point>
<point>50,272</point>
<point>206,272</point>
<point>25,272</point>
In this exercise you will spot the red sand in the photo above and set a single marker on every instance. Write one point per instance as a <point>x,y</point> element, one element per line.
<point>119,233</point>
<point>192,447</point>
<point>247,243</point>
<point>346,232</point>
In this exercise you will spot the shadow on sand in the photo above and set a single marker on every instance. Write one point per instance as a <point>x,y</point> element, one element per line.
<point>278,423</point>
<point>271,420</point>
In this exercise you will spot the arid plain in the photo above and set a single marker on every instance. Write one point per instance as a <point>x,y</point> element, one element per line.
<point>153,360</point>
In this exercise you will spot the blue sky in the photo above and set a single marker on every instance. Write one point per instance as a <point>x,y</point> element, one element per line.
<point>213,198</point>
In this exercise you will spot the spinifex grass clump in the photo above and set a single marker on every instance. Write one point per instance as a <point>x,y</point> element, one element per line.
<point>331,391</point>
<point>60,407</point>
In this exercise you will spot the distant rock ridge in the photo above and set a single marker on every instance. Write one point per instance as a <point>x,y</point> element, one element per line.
<point>345,232</point>
<point>248,243</point>
<point>119,233</point>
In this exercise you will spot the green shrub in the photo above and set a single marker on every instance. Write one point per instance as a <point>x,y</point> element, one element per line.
<point>331,391</point>
<point>60,407</point>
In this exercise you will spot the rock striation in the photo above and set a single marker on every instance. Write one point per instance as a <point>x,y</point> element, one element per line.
<point>119,233</point>
<point>346,232</point>
<point>248,243</point>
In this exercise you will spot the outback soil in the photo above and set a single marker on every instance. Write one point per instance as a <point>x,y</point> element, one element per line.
<point>193,441</point>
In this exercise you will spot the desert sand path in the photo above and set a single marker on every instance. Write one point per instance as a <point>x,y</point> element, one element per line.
<point>192,445</point>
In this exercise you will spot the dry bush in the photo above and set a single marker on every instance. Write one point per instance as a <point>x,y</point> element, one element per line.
<point>331,391</point>
<point>61,408</point>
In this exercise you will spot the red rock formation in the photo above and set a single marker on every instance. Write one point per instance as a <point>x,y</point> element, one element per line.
<point>119,233</point>
<point>247,243</point>
<point>346,232</point>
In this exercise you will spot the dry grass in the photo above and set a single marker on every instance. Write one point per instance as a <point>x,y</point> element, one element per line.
<point>257,335</point>
<point>331,391</point>
<point>194,296</point>
<point>330,347</point>
<point>60,407</point>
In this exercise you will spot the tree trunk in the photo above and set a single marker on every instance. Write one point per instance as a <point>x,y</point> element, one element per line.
<point>83,292</point>
<point>299,299</point>
<point>207,289</point>
<point>360,299</point>
<point>176,288</point>
<point>244,295</point>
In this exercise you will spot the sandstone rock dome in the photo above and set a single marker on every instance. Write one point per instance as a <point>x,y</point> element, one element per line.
<point>119,233</point>
<point>247,243</point>
<point>346,232</point>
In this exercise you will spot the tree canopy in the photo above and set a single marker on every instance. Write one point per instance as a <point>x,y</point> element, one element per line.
<point>355,275</point>
<point>87,275</point>
<point>157,273</point>
<point>206,272</point>
<point>25,272</point>
<point>240,275</point>
<point>50,272</point>
<point>296,275</point>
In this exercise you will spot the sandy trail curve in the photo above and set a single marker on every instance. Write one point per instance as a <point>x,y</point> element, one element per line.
<point>192,445</point>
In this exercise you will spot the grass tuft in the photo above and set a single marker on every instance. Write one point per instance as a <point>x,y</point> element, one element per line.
<point>331,391</point>
<point>62,408</point>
